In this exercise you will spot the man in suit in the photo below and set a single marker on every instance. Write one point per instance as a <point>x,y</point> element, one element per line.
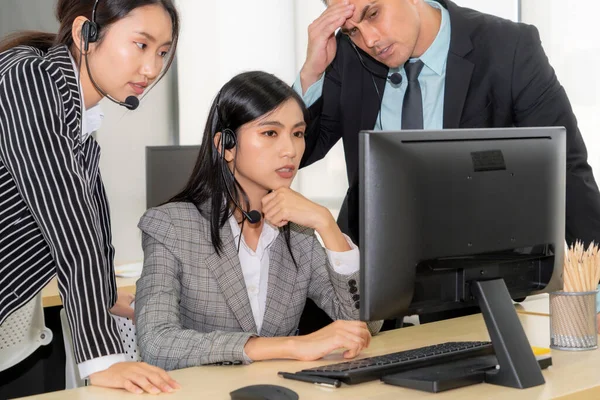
<point>459,68</point>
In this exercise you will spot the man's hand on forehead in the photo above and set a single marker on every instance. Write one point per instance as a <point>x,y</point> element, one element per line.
<point>340,4</point>
<point>322,45</point>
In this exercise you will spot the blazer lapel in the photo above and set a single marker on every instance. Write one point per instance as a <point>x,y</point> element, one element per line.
<point>458,68</point>
<point>282,279</point>
<point>458,78</point>
<point>371,101</point>
<point>228,273</point>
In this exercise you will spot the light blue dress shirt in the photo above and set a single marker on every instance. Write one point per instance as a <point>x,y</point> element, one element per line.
<point>432,80</point>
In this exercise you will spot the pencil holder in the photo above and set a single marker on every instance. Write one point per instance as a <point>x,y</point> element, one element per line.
<point>573,321</point>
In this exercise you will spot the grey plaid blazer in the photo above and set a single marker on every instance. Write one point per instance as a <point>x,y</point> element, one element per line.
<point>192,306</point>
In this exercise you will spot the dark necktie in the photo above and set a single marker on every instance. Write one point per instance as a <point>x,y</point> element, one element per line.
<point>412,108</point>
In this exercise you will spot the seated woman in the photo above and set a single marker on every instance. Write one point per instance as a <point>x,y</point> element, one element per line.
<point>230,261</point>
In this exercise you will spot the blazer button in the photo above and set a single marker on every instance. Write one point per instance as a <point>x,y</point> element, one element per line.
<point>356,297</point>
<point>352,282</point>
<point>353,289</point>
<point>357,305</point>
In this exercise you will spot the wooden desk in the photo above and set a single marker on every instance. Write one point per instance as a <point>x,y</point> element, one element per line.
<point>535,305</point>
<point>574,374</point>
<point>51,297</point>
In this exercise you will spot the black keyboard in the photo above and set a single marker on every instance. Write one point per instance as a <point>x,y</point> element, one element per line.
<point>368,369</point>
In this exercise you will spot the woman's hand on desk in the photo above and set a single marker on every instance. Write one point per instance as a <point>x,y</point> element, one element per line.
<point>135,377</point>
<point>354,336</point>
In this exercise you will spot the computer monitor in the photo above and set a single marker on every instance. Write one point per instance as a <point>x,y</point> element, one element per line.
<point>168,168</point>
<point>457,218</point>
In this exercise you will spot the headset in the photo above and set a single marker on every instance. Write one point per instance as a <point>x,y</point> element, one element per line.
<point>228,141</point>
<point>90,33</point>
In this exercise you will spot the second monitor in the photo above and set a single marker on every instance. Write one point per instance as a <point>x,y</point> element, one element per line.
<point>168,168</point>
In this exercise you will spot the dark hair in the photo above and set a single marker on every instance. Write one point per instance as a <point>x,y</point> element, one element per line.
<point>243,99</point>
<point>108,12</point>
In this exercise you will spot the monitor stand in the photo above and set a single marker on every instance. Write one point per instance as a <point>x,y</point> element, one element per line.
<point>514,364</point>
<point>518,366</point>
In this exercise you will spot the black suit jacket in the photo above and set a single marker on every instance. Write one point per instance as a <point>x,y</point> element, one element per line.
<point>497,75</point>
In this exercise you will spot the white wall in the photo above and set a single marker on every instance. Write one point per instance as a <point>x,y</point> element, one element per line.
<point>220,39</point>
<point>568,31</point>
<point>123,137</point>
<point>508,9</point>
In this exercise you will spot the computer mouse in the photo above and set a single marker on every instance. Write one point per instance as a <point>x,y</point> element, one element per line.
<point>263,392</point>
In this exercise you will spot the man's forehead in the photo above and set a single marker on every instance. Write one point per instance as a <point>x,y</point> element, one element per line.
<point>358,4</point>
<point>333,2</point>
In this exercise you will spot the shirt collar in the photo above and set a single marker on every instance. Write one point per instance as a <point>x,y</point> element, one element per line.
<point>267,235</point>
<point>436,55</point>
<point>91,119</point>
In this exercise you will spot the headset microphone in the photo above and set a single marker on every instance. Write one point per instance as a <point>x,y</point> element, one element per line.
<point>253,216</point>
<point>132,102</point>
<point>395,78</point>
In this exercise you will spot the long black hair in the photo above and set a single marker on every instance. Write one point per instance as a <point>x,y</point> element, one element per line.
<point>243,99</point>
<point>107,13</point>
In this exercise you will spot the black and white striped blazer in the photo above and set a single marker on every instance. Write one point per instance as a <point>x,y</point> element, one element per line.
<point>54,216</point>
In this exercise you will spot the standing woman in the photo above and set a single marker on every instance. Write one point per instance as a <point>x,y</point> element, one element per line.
<point>54,215</point>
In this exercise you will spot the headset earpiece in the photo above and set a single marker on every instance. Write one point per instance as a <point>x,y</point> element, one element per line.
<point>90,34</point>
<point>228,138</point>
<point>90,29</point>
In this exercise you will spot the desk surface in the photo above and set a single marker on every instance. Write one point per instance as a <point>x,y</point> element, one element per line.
<point>535,305</point>
<point>574,374</point>
<point>51,297</point>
